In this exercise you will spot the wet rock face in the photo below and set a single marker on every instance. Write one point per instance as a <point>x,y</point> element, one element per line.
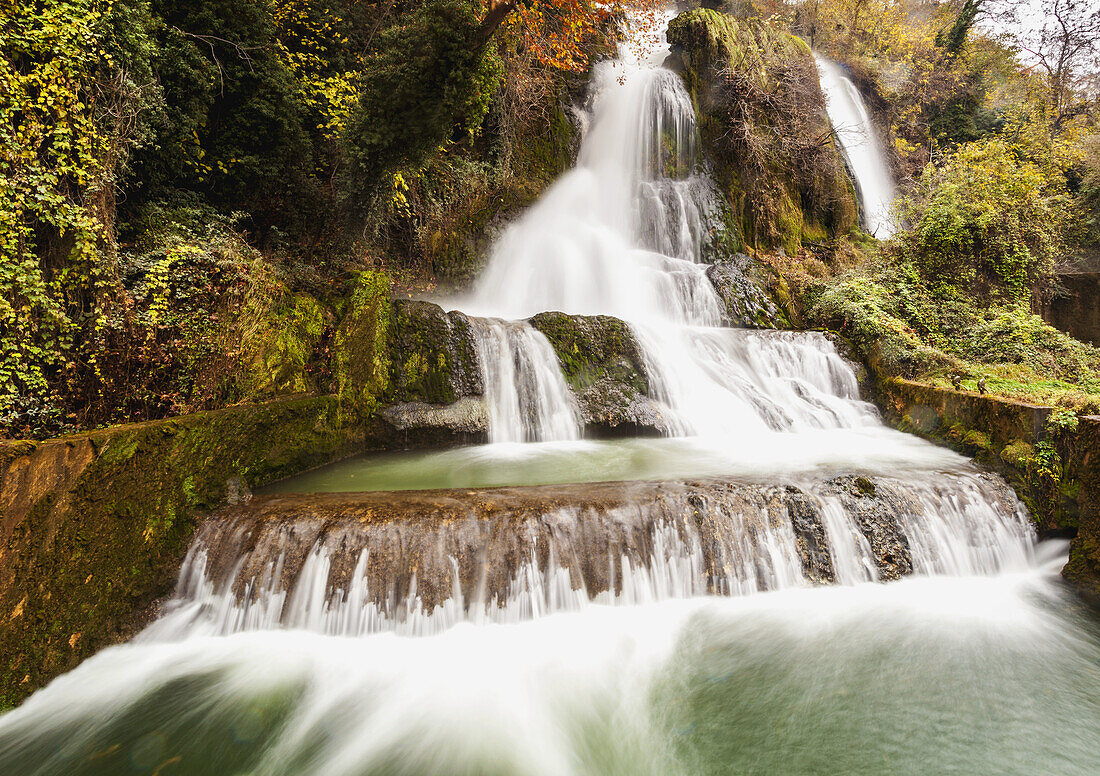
<point>874,506</point>
<point>467,415</point>
<point>479,546</point>
<point>600,359</point>
<point>433,358</point>
<point>744,302</point>
<point>753,85</point>
<point>810,538</point>
<point>608,408</point>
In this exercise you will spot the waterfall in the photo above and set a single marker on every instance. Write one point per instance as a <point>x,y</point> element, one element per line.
<point>859,142</point>
<point>525,393</point>
<point>622,233</point>
<point>425,569</point>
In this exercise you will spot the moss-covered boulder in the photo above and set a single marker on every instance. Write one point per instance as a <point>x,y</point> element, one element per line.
<point>593,348</point>
<point>602,363</point>
<point>1083,569</point>
<point>432,355</point>
<point>763,122</point>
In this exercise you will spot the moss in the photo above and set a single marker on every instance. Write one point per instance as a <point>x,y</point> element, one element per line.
<point>864,486</point>
<point>278,344</point>
<point>977,439</point>
<point>543,156</point>
<point>432,355</point>
<point>16,449</point>
<point>1083,568</point>
<point>1017,454</point>
<point>360,358</point>
<point>99,545</point>
<point>463,198</point>
<point>788,223</point>
<point>593,348</point>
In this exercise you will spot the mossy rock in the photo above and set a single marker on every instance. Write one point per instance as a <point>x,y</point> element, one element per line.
<point>600,359</point>
<point>593,348</point>
<point>780,197</point>
<point>744,301</point>
<point>1017,454</point>
<point>432,357</point>
<point>543,156</point>
<point>458,246</point>
<point>360,346</point>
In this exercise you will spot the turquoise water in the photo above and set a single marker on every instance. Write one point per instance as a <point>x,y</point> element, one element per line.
<point>872,449</point>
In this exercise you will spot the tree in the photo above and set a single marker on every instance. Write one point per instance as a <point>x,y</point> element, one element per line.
<point>557,31</point>
<point>952,37</point>
<point>1062,40</point>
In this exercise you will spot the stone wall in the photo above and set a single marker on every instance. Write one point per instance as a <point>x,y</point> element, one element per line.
<point>1054,467</point>
<point>93,526</point>
<point>1083,569</point>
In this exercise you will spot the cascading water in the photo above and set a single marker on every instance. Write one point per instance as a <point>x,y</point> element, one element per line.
<point>525,393</point>
<point>658,627</point>
<point>623,234</point>
<point>861,147</point>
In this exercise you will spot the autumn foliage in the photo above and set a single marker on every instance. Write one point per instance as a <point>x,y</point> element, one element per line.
<point>560,33</point>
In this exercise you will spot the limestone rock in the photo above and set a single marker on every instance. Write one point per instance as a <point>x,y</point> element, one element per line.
<point>465,416</point>
<point>744,302</point>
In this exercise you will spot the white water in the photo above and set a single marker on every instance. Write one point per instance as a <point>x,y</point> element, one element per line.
<point>960,675</point>
<point>861,147</point>
<point>524,390</point>
<point>622,232</point>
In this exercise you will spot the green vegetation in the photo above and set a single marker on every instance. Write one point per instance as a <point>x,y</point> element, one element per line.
<point>998,180</point>
<point>180,180</point>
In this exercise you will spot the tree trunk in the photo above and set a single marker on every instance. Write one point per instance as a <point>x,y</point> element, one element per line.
<point>494,17</point>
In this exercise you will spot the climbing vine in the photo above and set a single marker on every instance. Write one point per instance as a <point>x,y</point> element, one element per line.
<point>74,81</point>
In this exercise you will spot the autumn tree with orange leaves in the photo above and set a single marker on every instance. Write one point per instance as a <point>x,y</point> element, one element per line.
<point>560,32</point>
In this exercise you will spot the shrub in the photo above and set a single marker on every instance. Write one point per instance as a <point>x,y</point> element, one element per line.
<point>987,222</point>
